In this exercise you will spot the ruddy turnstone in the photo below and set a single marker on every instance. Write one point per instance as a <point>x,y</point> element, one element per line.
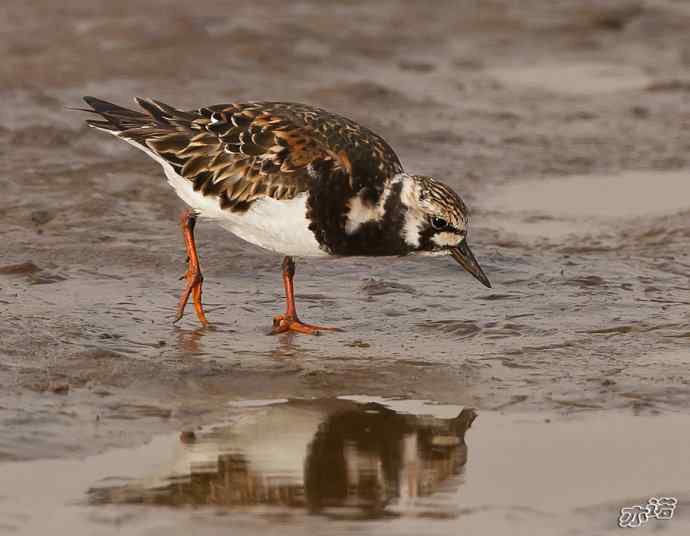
<point>293,179</point>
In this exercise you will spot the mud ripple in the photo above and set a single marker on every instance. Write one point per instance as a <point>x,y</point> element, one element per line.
<point>34,274</point>
<point>497,297</point>
<point>131,411</point>
<point>632,328</point>
<point>379,287</point>
<point>587,281</point>
<point>19,269</point>
<point>460,328</point>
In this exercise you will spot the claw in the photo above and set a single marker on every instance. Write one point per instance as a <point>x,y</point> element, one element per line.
<point>289,320</point>
<point>282,324</point>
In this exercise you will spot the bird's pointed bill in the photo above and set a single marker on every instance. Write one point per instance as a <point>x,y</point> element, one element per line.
<point>463,254</point>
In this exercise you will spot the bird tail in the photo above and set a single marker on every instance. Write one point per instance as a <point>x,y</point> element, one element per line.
<point>159,119</point>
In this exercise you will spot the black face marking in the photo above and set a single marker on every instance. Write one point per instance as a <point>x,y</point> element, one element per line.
<point>382,237</point>
<point>327,209</point>
<point>425,242</point>
<point>428,231</point>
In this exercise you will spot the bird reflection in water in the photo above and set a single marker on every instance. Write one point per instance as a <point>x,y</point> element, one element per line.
<point>330,456</point>
<point>189,341</point>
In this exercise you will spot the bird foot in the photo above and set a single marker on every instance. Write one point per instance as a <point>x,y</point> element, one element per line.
<point>284,323</point>
<point>194,284</point>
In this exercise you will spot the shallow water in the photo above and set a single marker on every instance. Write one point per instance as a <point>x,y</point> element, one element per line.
<point>575,78</point>
<point>563,125</point>
<point>568,209</point>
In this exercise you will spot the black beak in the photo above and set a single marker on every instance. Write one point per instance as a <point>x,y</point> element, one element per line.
<point>463,254</point>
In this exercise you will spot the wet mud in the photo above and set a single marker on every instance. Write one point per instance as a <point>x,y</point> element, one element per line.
<point>563,125</point>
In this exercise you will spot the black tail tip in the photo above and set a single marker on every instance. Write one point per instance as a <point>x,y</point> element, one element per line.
<point>97,104</point>
<point>101,106</point>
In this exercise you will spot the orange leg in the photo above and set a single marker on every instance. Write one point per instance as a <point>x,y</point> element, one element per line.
<point>193,275</point>
<point>289,321</point>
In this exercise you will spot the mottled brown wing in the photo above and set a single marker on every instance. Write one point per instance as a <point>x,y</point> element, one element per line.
<point>240,152</point>
<point>370,160</point>
<point>243,151</point>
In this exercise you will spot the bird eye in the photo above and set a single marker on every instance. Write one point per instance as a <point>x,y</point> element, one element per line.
<point>438,223</point>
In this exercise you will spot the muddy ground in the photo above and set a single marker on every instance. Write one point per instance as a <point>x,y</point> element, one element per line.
<point>564,125</point>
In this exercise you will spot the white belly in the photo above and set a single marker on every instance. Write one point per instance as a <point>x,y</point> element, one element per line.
<point>279,226</point>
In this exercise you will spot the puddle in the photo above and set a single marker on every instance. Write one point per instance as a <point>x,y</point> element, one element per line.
<point>338,458</point>
<point>582,204</point>
<point>603,196</point>
<point>574,78</point>
<point>364,464</point>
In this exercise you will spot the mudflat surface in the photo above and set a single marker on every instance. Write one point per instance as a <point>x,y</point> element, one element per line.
<point>564,125</point>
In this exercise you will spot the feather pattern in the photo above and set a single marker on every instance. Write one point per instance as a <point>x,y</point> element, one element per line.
<point>242,152</point>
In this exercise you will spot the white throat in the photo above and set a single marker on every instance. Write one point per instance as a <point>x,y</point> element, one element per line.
<point>414,216</point>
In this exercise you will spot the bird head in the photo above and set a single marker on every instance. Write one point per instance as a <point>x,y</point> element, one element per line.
<point>436,222</point>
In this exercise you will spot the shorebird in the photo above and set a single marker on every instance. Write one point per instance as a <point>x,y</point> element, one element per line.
<point>292,179</point>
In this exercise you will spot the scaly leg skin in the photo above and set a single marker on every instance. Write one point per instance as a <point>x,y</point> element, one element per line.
<point>193,275</point>
<point>289,321</point>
